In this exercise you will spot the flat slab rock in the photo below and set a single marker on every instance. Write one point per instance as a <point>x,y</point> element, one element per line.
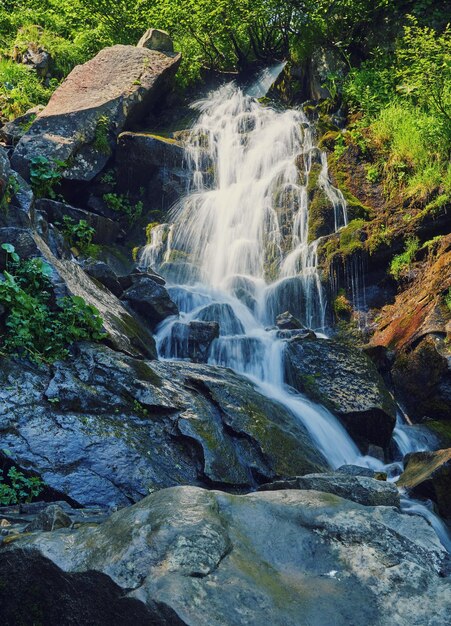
<point>207,558</point>
<point>105,428</point>
<point>361,489</point>
<point>118,86</point>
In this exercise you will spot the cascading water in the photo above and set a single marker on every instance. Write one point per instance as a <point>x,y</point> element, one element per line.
<point>237,250</point>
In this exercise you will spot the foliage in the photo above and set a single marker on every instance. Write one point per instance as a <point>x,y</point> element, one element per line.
<point>18,488</point>
<point>121,204</point>
<point>101,142</point>
<point>45,175</point>
<point>36,326</point>
<point>20,89</point>
<point>448,299</point>
<point>401,262</point>
<point>77,234</point>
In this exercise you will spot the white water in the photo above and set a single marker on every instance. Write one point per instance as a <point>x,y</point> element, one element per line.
<point>237,252</point>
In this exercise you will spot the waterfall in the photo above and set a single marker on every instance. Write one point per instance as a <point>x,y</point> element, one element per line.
<point>237,251</point>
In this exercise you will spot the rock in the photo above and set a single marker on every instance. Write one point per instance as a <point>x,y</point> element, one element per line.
<point>155,39</point>
<point>36,589</point>
<point>38,59</point>
<point>422,377</point>
<point>190,341</point>
<point>16,197</point>
<point>362,489</point>
<point>106,230</point>
<point>357,470</point>
<point>152,166</point>
<point>428,474</point>
<point>286,321</point>
<point>52,518</point>
<point>229,324</point>
<point>283,558</point>
<point>12,132</point>
<point>92,106</point>
<point>151,300</point>
<point>125,331</point>
<point>105,428</point>
<point>347,383</point>
<point>102,272</point>
<point>23,242</point>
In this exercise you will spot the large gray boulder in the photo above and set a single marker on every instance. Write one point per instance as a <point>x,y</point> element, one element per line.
<point>105,428</point>
<point>345,380</point>
<point>98,100</point>
<point>150,299</point>
<point>285,558</point>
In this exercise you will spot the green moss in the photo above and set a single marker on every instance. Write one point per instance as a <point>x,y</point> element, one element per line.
<point>342,306</point>
<point>320,216</point>
<point>327,141</point>
<point>351,237</point>
<point>149,229</point>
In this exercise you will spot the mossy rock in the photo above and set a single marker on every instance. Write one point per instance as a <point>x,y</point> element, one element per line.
<point>321,219</point>
<point>327,141</point>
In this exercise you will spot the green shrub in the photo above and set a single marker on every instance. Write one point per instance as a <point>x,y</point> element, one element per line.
<point>35,326</point>
<point>20,89</point>
<point>45,175</point>
<point>401,262</point>
<point>121,204</point>
<point>101,142</point>
<point>77,234</point>
<point>19,487</point>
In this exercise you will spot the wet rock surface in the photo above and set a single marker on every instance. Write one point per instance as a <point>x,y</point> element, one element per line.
<point>362,489</point>
<point>346,382</point>
<point>150,299</point>
<point>428,474</point>
<point>288,557</point>
<point>105,428</point>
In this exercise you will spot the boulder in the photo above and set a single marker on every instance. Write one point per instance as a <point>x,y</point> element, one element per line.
<point>422,377</point>
<point>428,474</point>
<point>287,321</point>
<point>155,39</point>
<point>150,299</point>
<point>344,380</point>
<point>152,166</point>
<point>105,428</point>
<point>38,59</point>
<point>190,341</point>
<point>362,489</point>
<point>106,230</point>
<point>13,131</point>
<point>98,100</point>
<point>229,324</point>
<point>51,518</point>
<point>103,273</point>
<point>125,331</point>
<point>208,558</point>
<point>16,197</point>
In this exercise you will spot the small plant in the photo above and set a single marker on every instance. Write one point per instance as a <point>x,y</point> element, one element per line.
<point>77,234</point>
<point>342,306</point>
<point>340,146</point>
<point>45,175</point>
<point>372,174</point>
<point>108,178</point>
<point>401,262</point>
<point>36,326</point>
<point>121,204</point>
<point>11,188</point>
<point>19,488</point>
<point>101,142</point>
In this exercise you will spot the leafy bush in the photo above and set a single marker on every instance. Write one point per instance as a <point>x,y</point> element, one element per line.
<point>35,326</point>
<point>77,234</point>
<point>401,262</point>
<point>45,175</point>
<point>20,89</point>
<point>121,204</point>
<point>19,487</point>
